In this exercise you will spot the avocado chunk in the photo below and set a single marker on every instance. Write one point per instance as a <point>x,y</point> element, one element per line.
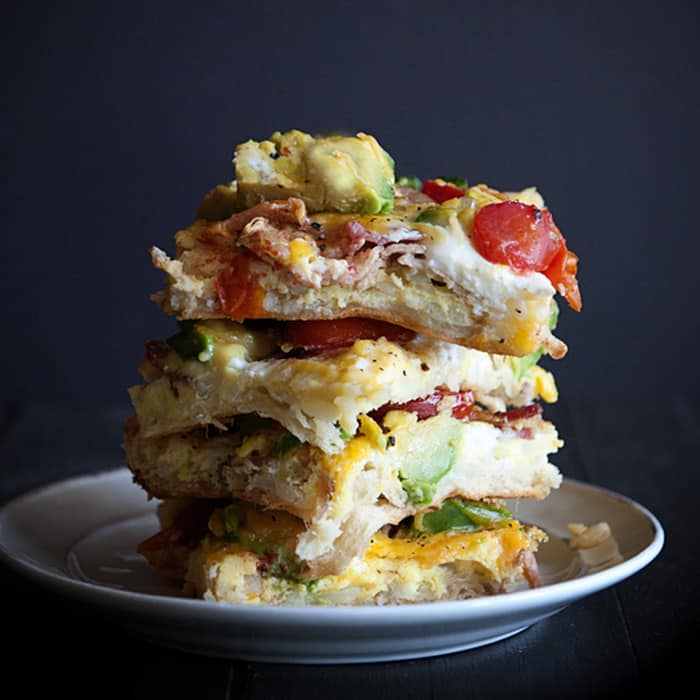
<point>458,514</point>
<point>415,183</point>
<point>429,457</point>
<point>270,534</point>
<point>235,341</point>
<point>435,215</point>
<point>348,174</point>
<point>457,181</point>
<point>285,445</point>
<point>524,364</point>
<point>192,342</point>
<point>219,203</point>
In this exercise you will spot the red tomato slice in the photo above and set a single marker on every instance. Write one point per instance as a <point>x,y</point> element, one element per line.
<point>518,235</point>
<point>428,405</point>
<point>341,332</point>
<point>440,191</point>
<point>526,239</point>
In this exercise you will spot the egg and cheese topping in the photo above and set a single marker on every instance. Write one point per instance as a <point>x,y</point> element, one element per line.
<point>319,398</point>
<point>446,565</point>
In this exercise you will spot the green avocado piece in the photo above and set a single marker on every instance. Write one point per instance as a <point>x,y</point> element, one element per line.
<point>524,364</point>
<point>411,181</point>
<point>485,514</point>
<point>349,174</point>
<point>269,534</point>
<point>344,435</point>
<point>457,514</point>
<point>433,215</point>
<point>192,342</point>
<point>429,457</point>
<point>457,181</point>
<point>235,340</point>
<point>448,517</point>
<point>285,444</point>
<point>219,203</point>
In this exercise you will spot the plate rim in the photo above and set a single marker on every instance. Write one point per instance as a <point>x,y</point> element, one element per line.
<point>106,596</point>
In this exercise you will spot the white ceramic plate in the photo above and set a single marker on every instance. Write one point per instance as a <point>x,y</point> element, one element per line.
<point>79,536</point>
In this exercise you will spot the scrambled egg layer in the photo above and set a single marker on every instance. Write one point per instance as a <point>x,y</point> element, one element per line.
<point>444,566</point>
<point>319,399</point>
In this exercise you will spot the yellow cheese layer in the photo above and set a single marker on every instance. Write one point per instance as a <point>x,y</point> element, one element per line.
<point>445,547</point>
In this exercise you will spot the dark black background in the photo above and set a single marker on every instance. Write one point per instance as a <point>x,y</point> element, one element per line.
<point>120,116</point>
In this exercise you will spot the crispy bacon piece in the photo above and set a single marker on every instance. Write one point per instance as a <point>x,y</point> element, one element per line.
<point>169,548</point>
<point>411,195</point>
<point>503,419</point>
<point>530,569</point>
<point>427,406</point>
<point>518,414</point>
<point>290,211</point>
<point>345,253</point>
<point>348,255</point>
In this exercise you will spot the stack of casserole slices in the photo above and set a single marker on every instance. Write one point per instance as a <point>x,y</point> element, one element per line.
<point>353,390</point>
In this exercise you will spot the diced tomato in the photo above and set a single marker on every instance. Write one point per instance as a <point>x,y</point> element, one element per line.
<point>441,191</point>
<point>239,294</point>
<point>526,239</point>
<point>562,274</point>
<point>317,336</point>
<point>518,235</point>
<point>428,405</point>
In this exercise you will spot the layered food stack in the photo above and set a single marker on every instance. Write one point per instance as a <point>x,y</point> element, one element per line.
<point>353,391</point>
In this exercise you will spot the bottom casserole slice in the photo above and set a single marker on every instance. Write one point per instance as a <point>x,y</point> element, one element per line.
<point>246,556</point>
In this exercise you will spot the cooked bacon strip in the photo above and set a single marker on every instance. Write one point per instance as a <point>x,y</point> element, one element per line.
<point>352,236</point>
<point>530,569</point>
<point>270,241</point>
<point>156,352</point>
<point>169,548</point>
<point>411,195</point>
<point>349,255</point>
<point>503,419</point>
<point>290,211</point>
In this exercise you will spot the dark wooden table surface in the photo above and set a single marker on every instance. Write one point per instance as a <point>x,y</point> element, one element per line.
<point>638,634</point>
